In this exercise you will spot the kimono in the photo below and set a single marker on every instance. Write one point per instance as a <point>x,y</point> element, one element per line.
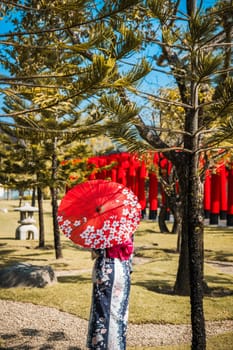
<point>110,299</point>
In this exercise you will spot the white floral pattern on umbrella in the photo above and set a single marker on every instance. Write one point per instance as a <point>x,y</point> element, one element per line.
<point>109,222</point>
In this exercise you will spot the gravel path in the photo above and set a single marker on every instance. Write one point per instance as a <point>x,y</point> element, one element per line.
<point>25,326</point>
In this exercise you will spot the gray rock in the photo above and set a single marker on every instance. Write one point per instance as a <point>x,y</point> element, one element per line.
<point>27,275</point>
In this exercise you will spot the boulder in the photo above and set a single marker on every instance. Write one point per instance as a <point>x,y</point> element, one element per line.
<point>26,275</point>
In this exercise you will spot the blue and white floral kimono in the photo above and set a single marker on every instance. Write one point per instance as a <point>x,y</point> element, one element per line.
<point>110,300</point>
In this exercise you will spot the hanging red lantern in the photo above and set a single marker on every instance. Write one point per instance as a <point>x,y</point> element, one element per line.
<point>207,194</point>
<point>153,196</point>
<point>223,191</point>
<point>142,173</point>
<point>215,199</point>
<point>230,197</point>
<point>132,173</point>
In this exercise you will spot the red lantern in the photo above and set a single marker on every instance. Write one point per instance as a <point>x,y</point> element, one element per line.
<point>153,196</point>
<point>207,194</point>
<point>223,192</point>
<point>215,199</point>
<point>142,172</point>
<point>230,198</point>
<point>132,173</point>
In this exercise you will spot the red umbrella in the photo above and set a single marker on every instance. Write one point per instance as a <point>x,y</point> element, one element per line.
<point>99,214</point>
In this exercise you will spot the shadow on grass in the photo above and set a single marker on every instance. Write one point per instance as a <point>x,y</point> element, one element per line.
<point>14,341</point>
<point>73,279</point>
<point>61,265</point>
<point>223,256</point>
<point>7,251</point>
<point>70,245</point>
<point>151,231</point>
<point>170,251</point>
<point>7,238</point>
<point>164,287</point>
<point>221,280</point>
<point>9,256</point>
<point>218,229</point>
<point>219,255</point>
<point>161,287</point>
<point>154,247</point>
<point>6,262</point>
<point>46,247</point>
<point>34,256</point>
<point>218,291</point>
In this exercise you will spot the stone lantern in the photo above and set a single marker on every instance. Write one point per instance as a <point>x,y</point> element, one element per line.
<point>26,229</point>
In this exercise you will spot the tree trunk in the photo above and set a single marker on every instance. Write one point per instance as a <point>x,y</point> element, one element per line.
<point>182,283</point>
<point>56,231</point>
<point>177,226</point>
<point>173,202</point>
<point>189,279</point>
<point>195,240</point>
<point>20,197</point>
<point>53,189</point>
<point>33,202</point>
<point>41,218</point>
<point>179,232</point>
<point>162,219</point>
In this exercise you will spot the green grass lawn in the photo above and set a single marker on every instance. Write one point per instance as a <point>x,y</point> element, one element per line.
<point>155,267</point>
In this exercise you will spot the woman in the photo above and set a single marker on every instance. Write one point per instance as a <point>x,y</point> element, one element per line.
<point>110,298</point>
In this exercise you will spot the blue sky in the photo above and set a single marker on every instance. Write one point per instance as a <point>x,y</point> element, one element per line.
<point>5,27</point>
